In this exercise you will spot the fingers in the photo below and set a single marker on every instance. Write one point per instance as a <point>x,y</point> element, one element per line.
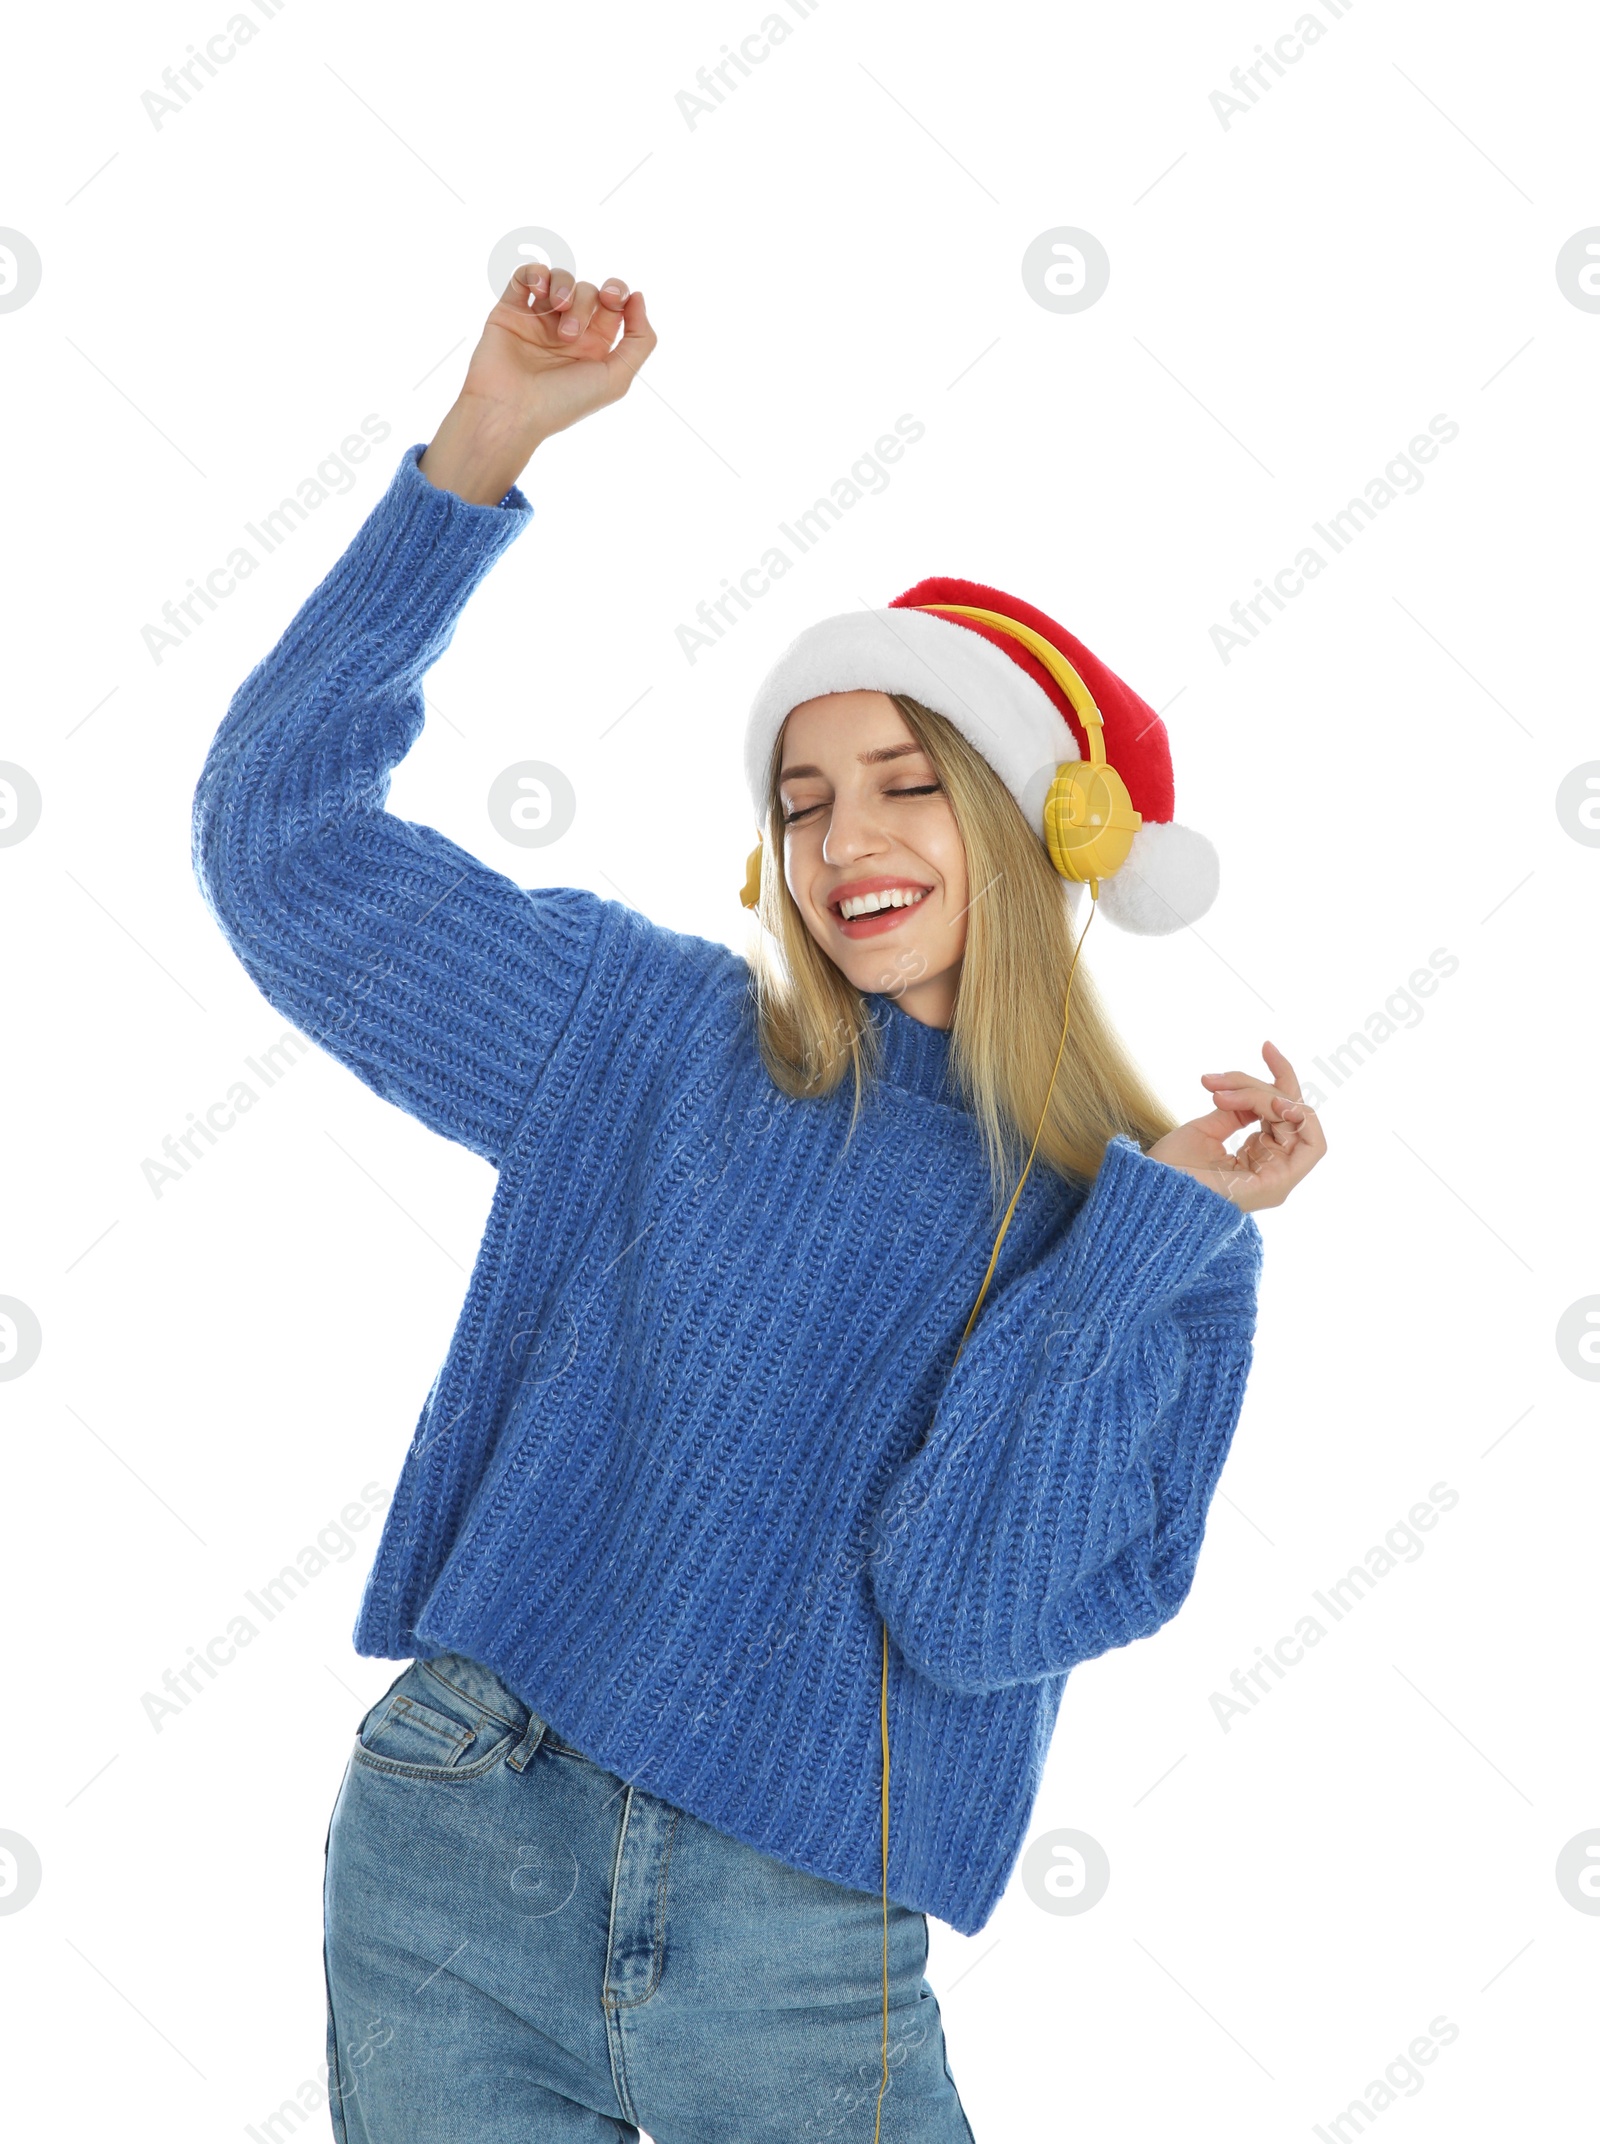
<point>638,340</point>
<point>1286,1123</point>
<point>1313,1140</point>
<point>1283,1074</point>
<point>571,309</point>
<point>1289,1141</point>
<point>579,311</point>
<point>1282,1070</point>
<point>554,294</point>
<point>558,286</point>
<point>1239,1091</point>
<point>1286,1148</point>
<point>1285,1167</point>
<point>610,310</point>
<point>529,288</point>
<point>1261,1098</point>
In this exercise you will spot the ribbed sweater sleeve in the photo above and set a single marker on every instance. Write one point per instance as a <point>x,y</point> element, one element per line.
<point>440,983</point>
<point>1056,1507</point>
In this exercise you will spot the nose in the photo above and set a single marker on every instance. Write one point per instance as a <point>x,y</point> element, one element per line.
<point>854,831</point>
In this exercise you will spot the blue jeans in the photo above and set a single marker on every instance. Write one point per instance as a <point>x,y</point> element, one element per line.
<point>523,1948</point>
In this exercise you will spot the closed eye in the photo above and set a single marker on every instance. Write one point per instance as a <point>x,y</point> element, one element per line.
<point>927,789</point>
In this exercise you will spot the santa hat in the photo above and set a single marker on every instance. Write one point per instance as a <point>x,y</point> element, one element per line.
<point>1006,703</point>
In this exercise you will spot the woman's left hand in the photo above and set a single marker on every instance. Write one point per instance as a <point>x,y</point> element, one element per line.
<point>1272,1160</point>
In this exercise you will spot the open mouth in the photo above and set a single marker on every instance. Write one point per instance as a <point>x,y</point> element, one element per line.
<point>865,915</point>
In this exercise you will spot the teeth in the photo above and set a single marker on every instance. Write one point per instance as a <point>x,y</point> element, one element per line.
<point>868,904</point>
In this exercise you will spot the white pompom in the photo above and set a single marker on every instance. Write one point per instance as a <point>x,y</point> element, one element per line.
<point>1169,880</point>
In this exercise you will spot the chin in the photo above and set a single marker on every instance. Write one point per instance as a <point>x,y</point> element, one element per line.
<point>891,970</point>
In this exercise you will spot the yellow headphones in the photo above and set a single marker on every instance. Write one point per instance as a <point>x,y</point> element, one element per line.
<point>1089,825</point>
<point>1089,819</point>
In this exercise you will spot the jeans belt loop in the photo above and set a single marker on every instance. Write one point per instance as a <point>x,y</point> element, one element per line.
<point>521,1755</point>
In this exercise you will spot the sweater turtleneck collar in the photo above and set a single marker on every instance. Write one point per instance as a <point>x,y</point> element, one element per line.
<point>916,1057</point>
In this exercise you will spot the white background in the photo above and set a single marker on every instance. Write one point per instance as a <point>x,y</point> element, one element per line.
<point>1292,298</point>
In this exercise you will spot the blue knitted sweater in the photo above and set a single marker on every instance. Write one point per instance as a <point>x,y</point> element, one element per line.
<point>700,1425</point>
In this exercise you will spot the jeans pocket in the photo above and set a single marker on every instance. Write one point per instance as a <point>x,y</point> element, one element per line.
<point>424,1728</point>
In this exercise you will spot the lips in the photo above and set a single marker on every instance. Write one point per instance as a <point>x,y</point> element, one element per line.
<point>877,921</point>
<point>874,926</point>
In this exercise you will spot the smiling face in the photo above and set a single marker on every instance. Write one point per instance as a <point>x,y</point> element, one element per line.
<point>872,853</point>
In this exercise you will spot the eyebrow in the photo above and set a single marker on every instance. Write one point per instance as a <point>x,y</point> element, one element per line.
<point>865,759</point>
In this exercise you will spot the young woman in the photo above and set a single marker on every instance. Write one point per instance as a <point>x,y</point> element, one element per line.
<point>740,1571</point>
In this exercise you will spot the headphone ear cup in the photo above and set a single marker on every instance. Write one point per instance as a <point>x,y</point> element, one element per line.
<point>750,892</point>
<point>1089,820</point>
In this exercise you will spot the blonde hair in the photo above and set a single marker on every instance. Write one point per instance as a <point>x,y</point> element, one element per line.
<point>813,1024</point>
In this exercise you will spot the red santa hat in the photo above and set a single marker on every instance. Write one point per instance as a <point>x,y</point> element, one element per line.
<point>1008,705</point>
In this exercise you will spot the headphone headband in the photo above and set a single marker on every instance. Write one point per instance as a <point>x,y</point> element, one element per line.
<point>1077,692</point>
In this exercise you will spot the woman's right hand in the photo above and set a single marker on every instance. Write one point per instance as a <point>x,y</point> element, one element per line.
<point>545,359</point>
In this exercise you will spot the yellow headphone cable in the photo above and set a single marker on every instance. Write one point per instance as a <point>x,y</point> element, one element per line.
<point>1089,826</point>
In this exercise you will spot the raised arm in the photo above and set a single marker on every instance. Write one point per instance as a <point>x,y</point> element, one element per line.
<point>1057,1505</point>
<point>440,982</point>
